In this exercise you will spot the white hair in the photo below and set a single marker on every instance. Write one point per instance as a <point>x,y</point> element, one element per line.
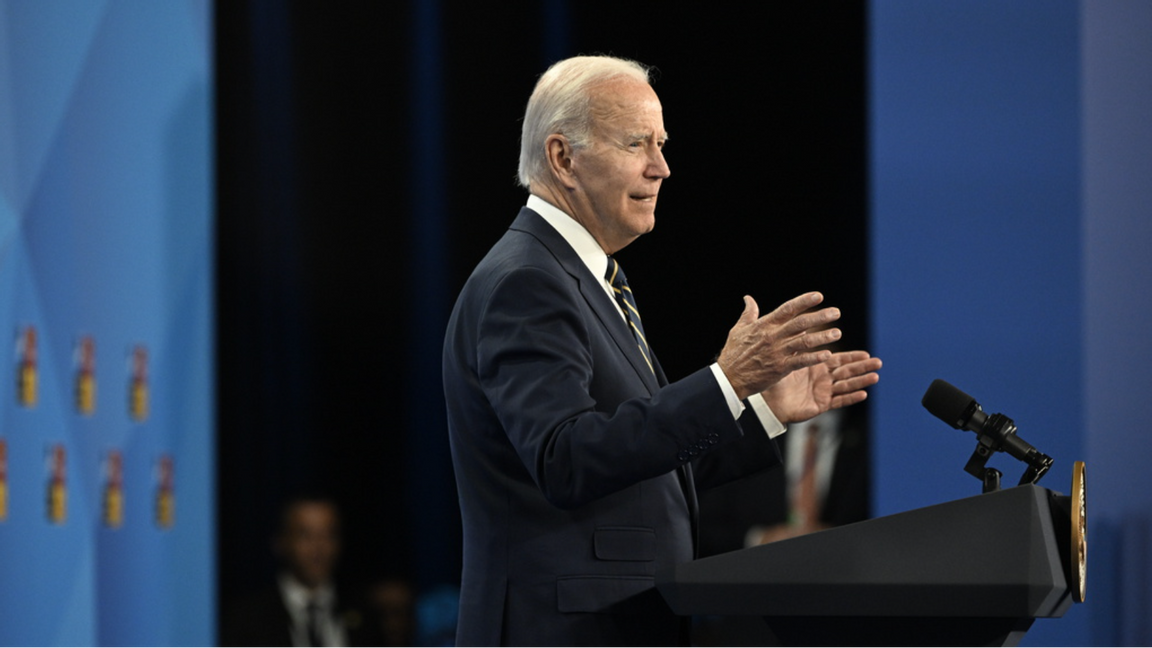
<point>561,103</point>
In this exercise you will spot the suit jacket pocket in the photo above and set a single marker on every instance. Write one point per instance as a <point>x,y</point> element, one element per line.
<point>625,543</point>
<point>599,593</point>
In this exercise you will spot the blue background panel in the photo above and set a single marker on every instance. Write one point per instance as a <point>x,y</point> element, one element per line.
<point>106,226</point>
<point>1009,160</point>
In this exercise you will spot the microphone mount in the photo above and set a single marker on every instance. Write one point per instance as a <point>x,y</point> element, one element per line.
<point>995,433</point>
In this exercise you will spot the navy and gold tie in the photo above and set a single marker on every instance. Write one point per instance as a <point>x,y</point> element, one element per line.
<point>615,277</point>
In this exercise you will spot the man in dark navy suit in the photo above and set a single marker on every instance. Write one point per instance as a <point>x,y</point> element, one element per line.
<point>577,461</point>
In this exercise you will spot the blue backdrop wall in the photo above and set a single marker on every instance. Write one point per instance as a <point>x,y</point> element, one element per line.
<point>1009,206</point>
<point>106,446</point>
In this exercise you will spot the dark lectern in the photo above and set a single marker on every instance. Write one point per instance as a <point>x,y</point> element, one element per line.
<point>972,572</point>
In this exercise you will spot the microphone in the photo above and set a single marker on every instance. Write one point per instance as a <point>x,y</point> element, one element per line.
<point>962,412</point>
<point>953,406</point>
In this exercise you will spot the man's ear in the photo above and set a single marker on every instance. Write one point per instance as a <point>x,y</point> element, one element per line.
<point>558,151</point>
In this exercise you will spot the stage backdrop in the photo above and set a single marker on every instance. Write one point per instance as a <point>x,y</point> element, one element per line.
<point>1011,218</point>
<point>106,415</point>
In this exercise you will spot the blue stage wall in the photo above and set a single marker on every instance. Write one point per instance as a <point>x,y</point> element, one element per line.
<point>106,421</point>
<point>1010,226</point>
<point>1116,91</point>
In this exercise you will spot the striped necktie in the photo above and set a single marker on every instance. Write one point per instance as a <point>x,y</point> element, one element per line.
<point>615,276</point>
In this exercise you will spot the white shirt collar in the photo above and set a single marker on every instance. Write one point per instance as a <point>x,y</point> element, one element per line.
<point>297,597</point>
<point>574,233</point>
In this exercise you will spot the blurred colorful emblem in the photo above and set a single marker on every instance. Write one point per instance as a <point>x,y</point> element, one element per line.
<point>85,358</point>
<point>114,489</point>
<point>26,376</point>
<point>165,492</point>
<point>57,485</point>
<point>138,387</point>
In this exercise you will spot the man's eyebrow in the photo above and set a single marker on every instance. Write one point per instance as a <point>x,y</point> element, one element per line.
<point>647,136</point>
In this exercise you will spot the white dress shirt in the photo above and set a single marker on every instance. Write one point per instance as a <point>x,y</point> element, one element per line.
<point>297,598</point>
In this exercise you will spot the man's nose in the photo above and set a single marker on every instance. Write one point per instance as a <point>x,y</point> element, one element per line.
<point>657,165</point>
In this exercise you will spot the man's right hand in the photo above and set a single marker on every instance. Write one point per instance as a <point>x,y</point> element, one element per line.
<point>760,351</point>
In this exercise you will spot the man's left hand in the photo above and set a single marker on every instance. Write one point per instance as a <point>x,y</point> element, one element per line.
<point>838,382</point>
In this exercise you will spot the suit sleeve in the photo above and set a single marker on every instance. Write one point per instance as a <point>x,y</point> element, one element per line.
<point>748,455</point>
<point>577,415</point>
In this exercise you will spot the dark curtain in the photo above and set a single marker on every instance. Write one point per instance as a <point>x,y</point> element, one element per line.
<point>366,155</point>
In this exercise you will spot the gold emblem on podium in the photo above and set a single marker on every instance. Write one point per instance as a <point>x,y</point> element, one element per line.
<point>1079,533</point>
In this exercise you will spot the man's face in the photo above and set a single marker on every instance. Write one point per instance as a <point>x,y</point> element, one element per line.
<point>618,175</point>
<point>310,542</point>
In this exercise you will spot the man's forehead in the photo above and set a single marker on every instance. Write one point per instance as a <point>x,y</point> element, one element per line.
<point>625,103</point>
<point>309,511</point>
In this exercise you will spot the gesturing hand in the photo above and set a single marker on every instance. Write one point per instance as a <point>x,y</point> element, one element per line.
<point>761,351</point>
<point>839,381</point>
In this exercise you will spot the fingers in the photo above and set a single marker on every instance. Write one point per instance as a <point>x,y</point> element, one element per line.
<point>795,306</point>
<point>795,324</point>
<point>811,339</point>
<point>843,358</point>
<point>796,338</point>
<point>793,317</point>
<point>844,400</point>
<point>847,364</point>
<point>798,361</point>
<point>806,322</point>
<point>751,311</point>
<point>841,387</point>
<point>856,371</point>
<point>797,309</point>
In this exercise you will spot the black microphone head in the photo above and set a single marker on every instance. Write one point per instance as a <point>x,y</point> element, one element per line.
<point>949,404</point>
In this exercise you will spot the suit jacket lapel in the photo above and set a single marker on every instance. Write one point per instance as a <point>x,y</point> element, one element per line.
<point>590,287</point>
<point>593,292</point>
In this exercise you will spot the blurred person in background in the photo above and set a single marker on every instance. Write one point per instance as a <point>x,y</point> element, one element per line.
<point>303,607</point>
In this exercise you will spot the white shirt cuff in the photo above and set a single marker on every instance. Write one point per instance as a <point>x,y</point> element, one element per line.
<point>734,404</point>
<point>768,420</point>
<point>767,417</point>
